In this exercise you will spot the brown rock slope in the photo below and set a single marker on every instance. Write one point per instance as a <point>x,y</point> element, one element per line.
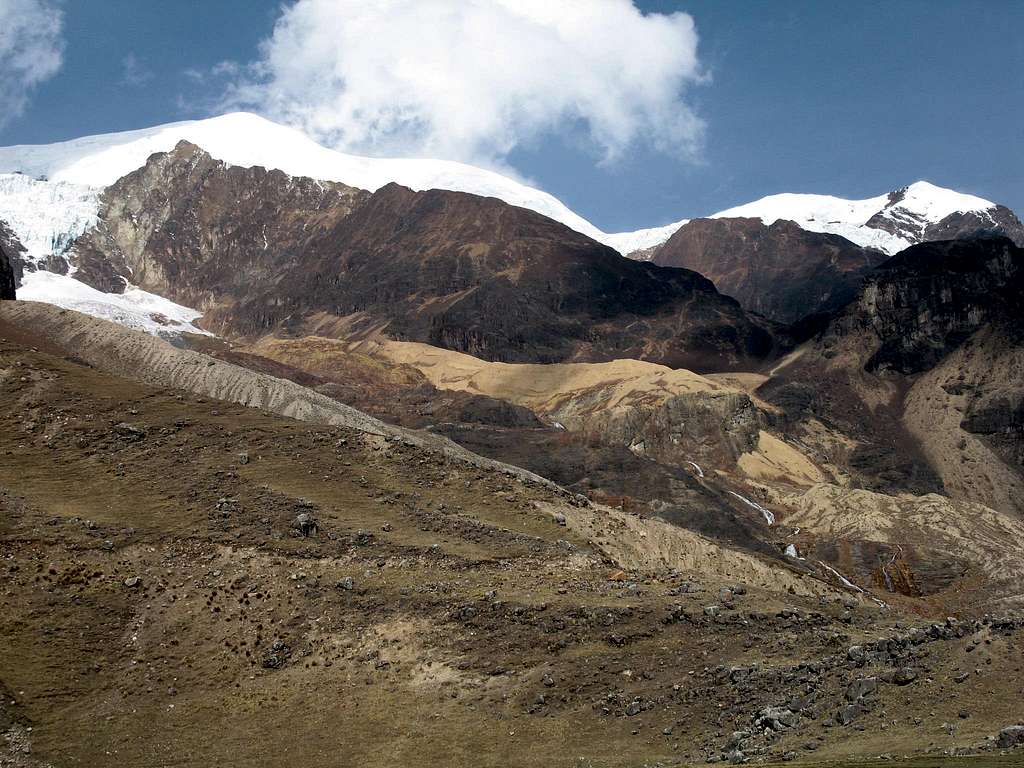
<point>203,233</point>
<point>122,352</point>
<point>947,552</point>
<point>923,372</point>
<point>780,271</point>
<point>190,581</point>
<point>262,252</point>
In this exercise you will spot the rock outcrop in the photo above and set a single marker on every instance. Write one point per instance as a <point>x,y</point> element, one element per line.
<point>192,228</point>
<point>10,262</point>
<point>923,302</point>
<point>261,252</point>
<point>780,271</point>
<point>921,374</point>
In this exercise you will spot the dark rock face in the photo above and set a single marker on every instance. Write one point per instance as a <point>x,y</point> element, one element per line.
<point>926,359</point>
<point>262,252</point>
<point>502,283</point>
<point>192,228</point>
<point>926,300</point>
<point>6,277</point>
<point>780,271</point>
<point>11,266</point>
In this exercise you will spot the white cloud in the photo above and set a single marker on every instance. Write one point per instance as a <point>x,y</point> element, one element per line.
<point>31,50</point>
<point>134,72</point>
<point>474,79</point>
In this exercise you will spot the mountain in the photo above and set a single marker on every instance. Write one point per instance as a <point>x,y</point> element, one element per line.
<point>918,213</point>
<point>259,251</point>
<point>245,139</point>
<point>791,256</point>
<point>48,193</point>
<point>780,270</point>
<point>921,373</point>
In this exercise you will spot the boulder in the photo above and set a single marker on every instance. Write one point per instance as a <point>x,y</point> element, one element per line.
<point>1011,736</point>
<point>858,689</point>
<point>305,524</point>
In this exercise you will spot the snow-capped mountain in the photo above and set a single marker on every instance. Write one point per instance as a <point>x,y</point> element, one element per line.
<point>889,222</point>
<point>643,239</point>
<point>245,139</point>
<point>81,167</point>
<point>50,195</point>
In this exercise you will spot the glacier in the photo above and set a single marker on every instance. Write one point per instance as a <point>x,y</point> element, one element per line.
<point>46,216</point>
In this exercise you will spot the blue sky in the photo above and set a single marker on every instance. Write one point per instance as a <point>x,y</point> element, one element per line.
<point>845,98</point>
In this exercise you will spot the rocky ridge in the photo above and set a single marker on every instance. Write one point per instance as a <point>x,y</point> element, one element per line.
<point>779,270</point>
<point>259,252</point>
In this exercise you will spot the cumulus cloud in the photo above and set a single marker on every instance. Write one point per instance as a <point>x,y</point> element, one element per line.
<point>474,79</point>
<point>31,50</point>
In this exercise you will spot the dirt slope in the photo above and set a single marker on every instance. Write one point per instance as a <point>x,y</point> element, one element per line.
<point>169,601</point>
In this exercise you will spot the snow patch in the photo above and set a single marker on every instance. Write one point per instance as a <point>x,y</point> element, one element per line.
<point>135,308</point>
<point>847,583</point>
<point>629,242</point>
<point>769,516</point>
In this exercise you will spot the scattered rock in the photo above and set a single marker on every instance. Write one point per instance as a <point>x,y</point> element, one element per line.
<point>858,689</point>
<point>776,718</point>
<point>904,676</point>
<point>1011,736</point>
<point>277,656</point>
<point>849,713</point>
<point>129,432</point>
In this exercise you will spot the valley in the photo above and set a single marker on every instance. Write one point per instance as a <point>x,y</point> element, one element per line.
<point>355,468</point>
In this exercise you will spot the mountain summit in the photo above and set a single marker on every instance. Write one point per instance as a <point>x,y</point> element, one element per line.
<point>889,223</point>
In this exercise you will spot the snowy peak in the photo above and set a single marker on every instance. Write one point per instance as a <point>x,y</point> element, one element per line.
<point>934,203</point>
<point>889,223</point>
<point>247,140</point>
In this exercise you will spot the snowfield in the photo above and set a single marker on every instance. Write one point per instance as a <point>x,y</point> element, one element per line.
<point>245,139</point>
<point>922,204</point>
<point>134,308</point>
